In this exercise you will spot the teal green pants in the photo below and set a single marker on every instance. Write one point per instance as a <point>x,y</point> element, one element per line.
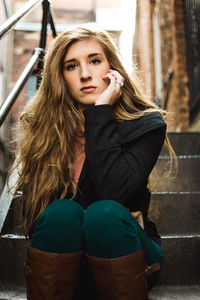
<point>106,229</point>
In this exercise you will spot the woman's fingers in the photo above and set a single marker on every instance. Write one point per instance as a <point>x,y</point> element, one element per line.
<point>114,89</point>
<point>115,82</point>
<point>119,80</point>
<point>118,77</point>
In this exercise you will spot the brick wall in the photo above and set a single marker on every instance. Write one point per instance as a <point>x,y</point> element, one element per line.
<point>173,49</point>
<point>170,17</point>
<point>182,89</point>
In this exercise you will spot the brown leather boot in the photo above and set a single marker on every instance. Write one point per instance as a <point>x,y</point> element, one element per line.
<point>122,278</point>
<point>51,276</point>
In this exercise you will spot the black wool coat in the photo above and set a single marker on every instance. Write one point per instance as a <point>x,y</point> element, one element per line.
<point>119,158</point>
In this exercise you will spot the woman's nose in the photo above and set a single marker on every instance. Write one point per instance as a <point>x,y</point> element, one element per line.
<point>85,74</point>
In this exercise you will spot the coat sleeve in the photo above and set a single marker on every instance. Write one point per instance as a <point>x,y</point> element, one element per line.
<point>117,170</point>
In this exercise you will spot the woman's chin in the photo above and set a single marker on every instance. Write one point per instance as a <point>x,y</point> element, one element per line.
<point>82,106</point>
<point>86,103</point>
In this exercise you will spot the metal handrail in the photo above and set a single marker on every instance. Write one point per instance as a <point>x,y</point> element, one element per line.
<point>6,197</point>
<point>39,52</point>
<point>10,23</point>
<point>19,85</point>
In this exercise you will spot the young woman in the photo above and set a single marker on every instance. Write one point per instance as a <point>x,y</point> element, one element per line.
<point>88,144</point>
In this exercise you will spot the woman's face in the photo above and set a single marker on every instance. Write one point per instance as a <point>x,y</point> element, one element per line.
<point>85,64</point>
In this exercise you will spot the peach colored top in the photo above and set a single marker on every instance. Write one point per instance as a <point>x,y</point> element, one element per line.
<point>79,157</point>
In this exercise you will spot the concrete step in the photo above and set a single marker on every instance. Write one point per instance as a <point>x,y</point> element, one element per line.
<point>175,293</point>
<point>186,179</point>
<point>157,293</point>
<point>183,143</point>
<point>181,259</point>
<point>176,212</point>
<point>16,293</point>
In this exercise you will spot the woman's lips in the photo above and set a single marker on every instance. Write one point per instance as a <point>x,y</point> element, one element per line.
<point>88,89</point>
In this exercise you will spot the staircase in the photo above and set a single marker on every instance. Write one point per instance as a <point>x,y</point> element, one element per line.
<point>175,207</point>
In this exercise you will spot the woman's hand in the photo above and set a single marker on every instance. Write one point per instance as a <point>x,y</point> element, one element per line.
<point>114,89</point>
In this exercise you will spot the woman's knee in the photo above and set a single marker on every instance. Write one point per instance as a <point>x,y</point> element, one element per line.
<point>105,213</point>
<point>108,230</point>
<point>62,213</point>
<point>108,218</point>
<point>60,224</point>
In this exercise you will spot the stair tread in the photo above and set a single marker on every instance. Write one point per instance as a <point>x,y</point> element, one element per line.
<point>13,293</point>
<point>157,293</point>
<point>175,292</point>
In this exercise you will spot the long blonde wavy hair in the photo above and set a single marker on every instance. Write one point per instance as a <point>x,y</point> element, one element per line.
<point>49,123</point>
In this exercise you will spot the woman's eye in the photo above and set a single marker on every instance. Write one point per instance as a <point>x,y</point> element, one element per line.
<point>70,67</point>
<point>95,61</point>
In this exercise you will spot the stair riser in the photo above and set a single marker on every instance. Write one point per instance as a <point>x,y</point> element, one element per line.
<point>187,178</point>
<point>181,266</point>
<point>13,252</point>
<point>184,143</point>
<point>176,213</point>
<point>182,261</point>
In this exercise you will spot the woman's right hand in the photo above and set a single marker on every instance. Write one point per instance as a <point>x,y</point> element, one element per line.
<point>114,90</point>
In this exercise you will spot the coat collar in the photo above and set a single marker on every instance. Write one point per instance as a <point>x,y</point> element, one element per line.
<point>130,130</point>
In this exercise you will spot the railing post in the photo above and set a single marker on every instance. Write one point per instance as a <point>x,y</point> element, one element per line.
<point>46,18</point>
<point>43,38</point>
<point>45,21</point>
<point>52,23</point>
